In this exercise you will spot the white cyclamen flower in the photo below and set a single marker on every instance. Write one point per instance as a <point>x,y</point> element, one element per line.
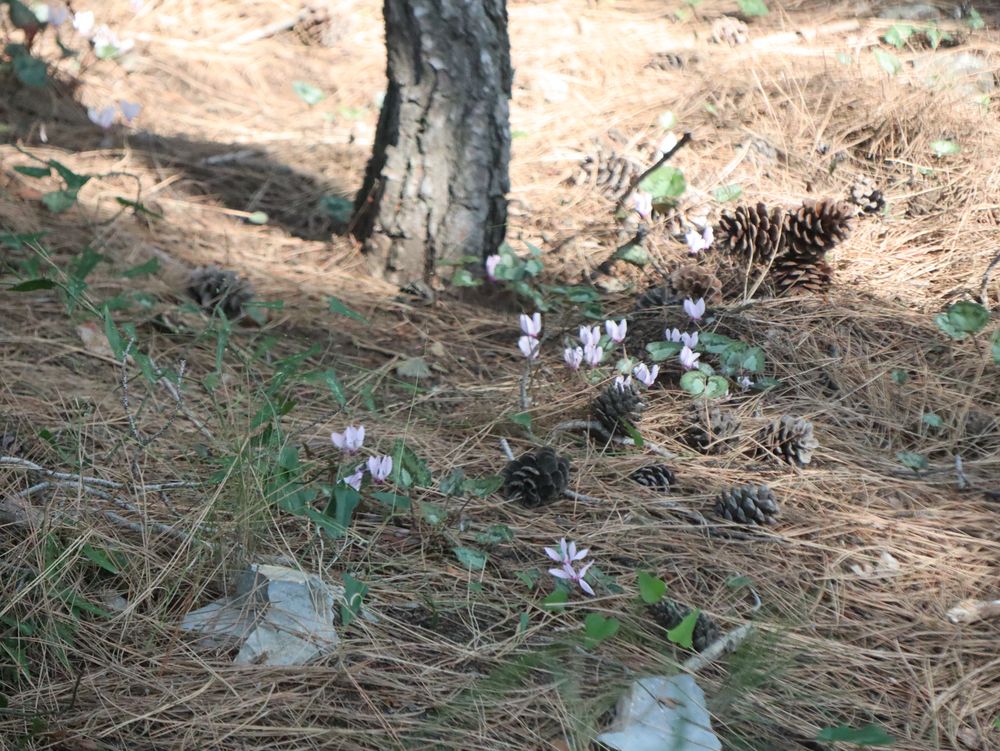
<point>616,330</point>
<point>573,357</point>
<point>689,358</point>
<point>529,347</point>
<point>695,310</point>
<point>645,374</point>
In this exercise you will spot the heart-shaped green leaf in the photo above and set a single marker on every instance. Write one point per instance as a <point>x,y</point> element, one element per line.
<point>471,558</point>
<point>694,382</point>
<point>597,628</point>
<point>683,632</point>
<point>660,351</point>
<point>716,387</point>
<point>651,589</point>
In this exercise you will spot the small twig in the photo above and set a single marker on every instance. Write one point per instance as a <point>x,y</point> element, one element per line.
<point>643,175</point>
<point>592,426</point>
<point>986,281</point>
<point>505,447</point>
<point>266,31</point>
<point>963,479</point>
<point>144,442</point>
<point>525,399</point>
<point>583,498</point>
<point>719,647</point>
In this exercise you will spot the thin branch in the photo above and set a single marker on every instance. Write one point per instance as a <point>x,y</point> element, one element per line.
<point>986,281</point>
<point>681,143</point>
<point>145,441</point>
<point>505,447</point>
<point>16,461</point>
<point>592,426</point>
<point>583,498</point>
<point>719,647</point>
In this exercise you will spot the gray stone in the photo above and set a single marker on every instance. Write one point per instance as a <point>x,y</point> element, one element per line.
<point>911,12</point>
<point>969,74</point>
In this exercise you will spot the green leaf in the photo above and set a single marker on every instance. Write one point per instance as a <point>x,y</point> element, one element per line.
<point>335,305</point>
<point>975,21</point>
<point>108,561</point>
<point>413,367</point>
<point>968,317</point>
<point>753,8</point>
<point>683,632</point>
<point>660,351</point>
<point>333,383</point>
<point>394,501</point>
<point>484,486</point>
<point>633,433</point>
<point>258,217</point>
<point>464,278</point>
<point>523,419</point>
<point>73,180</point>
<point>528,578</point>
<point>308,93</point>
<point>432,513</point>
<point>944,147</point>
<point>557,600</point>
<point>898,376</point>
<point>496,534</point>
<point>664,183</point>
<point>738,582</point>
<point>651,589</point>
<point>869,735</point>
<point>59,201</point>
<point>354,595</point>
<point>345,500</point>
<point>32,285</point>
<point>716,387</point>
<point>471,558</point>
<point>694,382</point>
<point>913,460</point>
<point>727,193</point>
<point>932,419</point>
<point>597,628</point>
<point>339,209</point>
<point>453,483</point>
<point>522,623</point>
<point>944,323</point>
<point>114,337</point>
<point>404,457</point>
<point>897,35</point>
<point>143,269</point>
<point>632,253</point>
<point>138,208</point>
<point>30,71</point>
<point>34,171</point>
<point>995,346</point>
<point>887,61</point>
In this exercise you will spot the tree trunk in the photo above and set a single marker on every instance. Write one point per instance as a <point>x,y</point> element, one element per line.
<point>435,187</point>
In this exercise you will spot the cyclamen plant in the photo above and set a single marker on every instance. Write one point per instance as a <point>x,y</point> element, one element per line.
<point>567,556</point>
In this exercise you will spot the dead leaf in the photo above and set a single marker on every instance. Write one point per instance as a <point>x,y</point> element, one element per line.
<point>94,340</point>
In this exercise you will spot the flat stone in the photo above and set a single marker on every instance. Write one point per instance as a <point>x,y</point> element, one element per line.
<point>911,12</point>
<point>964,72</point>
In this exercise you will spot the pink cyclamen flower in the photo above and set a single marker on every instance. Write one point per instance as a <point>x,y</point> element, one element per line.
<point>380,467</point>
<point>354,479</point>
<point>567,553</point>
<point>642,204</point>
<point>590,336</point>
<point>672,335</point>
<point>351,440</point>
<point>573,357</point>
<point>103,118</point>
<point>623,382</point>
<point>568,573</point>
<point>646,374</point>
<point>744,382</point>
<point>528,347</point>
<point>491,266</point>
<point>592,355</point>
<point>531,326</point>
<point>690,340</point>
<point>130,110</point>
<point>699,241</point>
<point>695,310</point>
<point>616,330</point>
<point>689,358</point>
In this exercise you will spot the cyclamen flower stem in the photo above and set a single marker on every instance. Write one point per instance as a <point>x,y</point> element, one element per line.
<point>525,385</point>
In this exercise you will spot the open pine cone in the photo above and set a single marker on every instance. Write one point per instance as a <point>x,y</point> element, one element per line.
<point>866,196</point>
<point>747,504</point>
<point>691,280</point>
<point>657,476</point>
<point>817,226</point>
<point>752,232</point>
<point>214,289</point>
<point>801,274</point>
<point>791,439</point>
<point>655,296</point>
<point>711,429</point>
<point>669,614</point>
<point>729,30</point>
<point>609,171</point>
<point>536,477</point>
<point>618,402</point>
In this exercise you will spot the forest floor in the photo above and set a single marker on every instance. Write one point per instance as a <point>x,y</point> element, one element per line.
<point>854,580</point>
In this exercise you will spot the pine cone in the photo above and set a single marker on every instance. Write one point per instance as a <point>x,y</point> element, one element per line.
<point>536,478</point>
<point>669,614</point>
<point>752,232</point>
<point>693,281</point>
<point>747,504</point>
<point>711,429</point>
<point>316,25</point>
<point>658,476</point>
<point>729,30</point>
<point>669,61</point>
<point>791,439</point>
<point>616,403</point>
<point>817,226</point>
<point>214,289</point>
<point>801,274</point>
<point>610,172</point>
<point>866,196</point>
<point>655,297</point>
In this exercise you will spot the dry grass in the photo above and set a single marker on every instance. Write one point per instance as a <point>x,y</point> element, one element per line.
<point>445,666</point>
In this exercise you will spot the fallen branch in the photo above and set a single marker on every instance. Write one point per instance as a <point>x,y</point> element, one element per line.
<point>719,647</point>
<point>16,461</point>
<point>986,281</point>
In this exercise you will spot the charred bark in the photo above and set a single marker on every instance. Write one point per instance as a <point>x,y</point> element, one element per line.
<point>435,187</point>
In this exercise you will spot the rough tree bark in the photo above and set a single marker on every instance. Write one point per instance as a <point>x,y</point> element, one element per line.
<point>435,187</point>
